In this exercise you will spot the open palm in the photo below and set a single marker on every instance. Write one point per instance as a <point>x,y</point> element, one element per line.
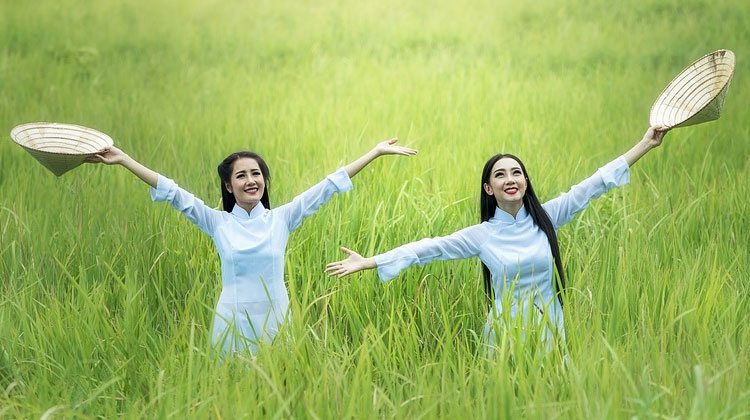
<point>353,263</point>
<point>389,147</point>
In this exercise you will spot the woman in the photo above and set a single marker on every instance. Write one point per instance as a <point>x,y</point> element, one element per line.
<point>250,236</point>
<point>516,242</point>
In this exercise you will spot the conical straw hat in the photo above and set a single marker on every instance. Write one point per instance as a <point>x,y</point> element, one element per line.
<point>697,94</point>
<point>59,147</point>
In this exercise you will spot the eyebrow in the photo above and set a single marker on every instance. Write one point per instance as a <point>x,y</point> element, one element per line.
<point>246,170</point>
<point>515,168</point>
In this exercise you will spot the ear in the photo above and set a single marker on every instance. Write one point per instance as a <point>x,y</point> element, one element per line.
<point>228,187</point>
<point>487,188</point>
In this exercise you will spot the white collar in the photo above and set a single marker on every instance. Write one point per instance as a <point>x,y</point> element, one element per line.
<point>243,214</point>
<point>503,216</point>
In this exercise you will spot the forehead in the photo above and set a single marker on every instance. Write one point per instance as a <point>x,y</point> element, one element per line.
<point>506,164</point>
<point>245,164</point>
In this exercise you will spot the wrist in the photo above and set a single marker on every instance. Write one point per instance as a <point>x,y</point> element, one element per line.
<point>645,144</point>
<point>125,160</point>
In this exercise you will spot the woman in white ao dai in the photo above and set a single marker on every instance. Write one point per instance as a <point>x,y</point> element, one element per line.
<point>249,236</point>
<point>516,242</point>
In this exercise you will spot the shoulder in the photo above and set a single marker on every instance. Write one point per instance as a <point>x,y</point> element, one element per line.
<point>477,234</point>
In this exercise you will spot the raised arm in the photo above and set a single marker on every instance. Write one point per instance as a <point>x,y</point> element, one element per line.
<point>462,244</point>
<point>311,200</point>
<point>614,174</point>
<point>115,156</point>
<point>163,189</point>
<point>383,148</point>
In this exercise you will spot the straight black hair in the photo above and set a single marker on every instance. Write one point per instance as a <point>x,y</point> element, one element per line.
<point>225,175</point>
<point>487,205</point>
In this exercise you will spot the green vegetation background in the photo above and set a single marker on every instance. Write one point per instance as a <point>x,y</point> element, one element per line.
<point>106,299</point>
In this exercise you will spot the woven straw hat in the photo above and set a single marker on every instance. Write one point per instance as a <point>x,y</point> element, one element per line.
<point>60,147</point>
<point>697,94</point>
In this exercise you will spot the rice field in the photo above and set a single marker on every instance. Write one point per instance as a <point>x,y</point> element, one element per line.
<point>106,298</point>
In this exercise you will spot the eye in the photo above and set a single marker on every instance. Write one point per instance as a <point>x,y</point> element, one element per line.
<point>517,173</point>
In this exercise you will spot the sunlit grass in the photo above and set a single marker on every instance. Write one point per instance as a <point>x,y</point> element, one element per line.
<point>106,299</point>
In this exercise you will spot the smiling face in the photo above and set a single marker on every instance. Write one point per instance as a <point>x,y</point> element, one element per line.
<point>246,183</point>
<point>507,183</point>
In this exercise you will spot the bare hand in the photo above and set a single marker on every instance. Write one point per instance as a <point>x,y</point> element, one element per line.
<point>109,156</point>
<point>351,264</point>
<point>654,135</point>
<point>388,148</point>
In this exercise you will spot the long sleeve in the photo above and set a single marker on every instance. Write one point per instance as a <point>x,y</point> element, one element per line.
<point>465,243</point>
<point>562,209</point>
<point>310,201</point>
<point>186,203</point>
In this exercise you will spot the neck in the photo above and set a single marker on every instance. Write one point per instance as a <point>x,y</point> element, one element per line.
<point>511,208</point>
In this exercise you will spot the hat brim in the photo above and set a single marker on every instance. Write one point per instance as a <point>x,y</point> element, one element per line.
<point>60,147</point>
<point>697,94</point>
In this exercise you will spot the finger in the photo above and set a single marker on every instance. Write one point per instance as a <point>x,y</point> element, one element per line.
<point>347,251</point>
<point>404,151</point>
<point>333,265</point>
<point>332,271</point>
<point>393,140</point>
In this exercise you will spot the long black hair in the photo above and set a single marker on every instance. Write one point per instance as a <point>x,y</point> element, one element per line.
<point>225,175</point>
<point>487,205</point>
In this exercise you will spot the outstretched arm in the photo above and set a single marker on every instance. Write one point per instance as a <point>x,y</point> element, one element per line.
<point>115,156</point>
<point>651,138</point>
<point>383,148</point>
<point>465,243</point>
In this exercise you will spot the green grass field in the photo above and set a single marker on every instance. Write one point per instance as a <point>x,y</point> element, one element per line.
<point>106,299</point>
